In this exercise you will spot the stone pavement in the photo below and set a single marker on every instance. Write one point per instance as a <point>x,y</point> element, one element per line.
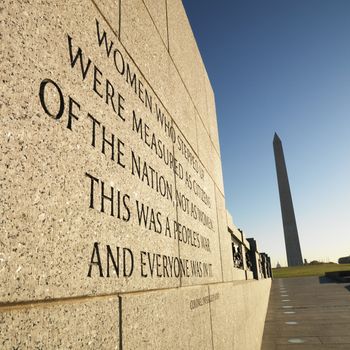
<point>307,313</point>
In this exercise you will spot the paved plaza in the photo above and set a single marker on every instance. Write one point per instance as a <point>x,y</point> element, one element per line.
<point>308,313</point>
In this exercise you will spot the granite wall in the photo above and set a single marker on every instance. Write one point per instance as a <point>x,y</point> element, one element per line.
<point>114,231</point>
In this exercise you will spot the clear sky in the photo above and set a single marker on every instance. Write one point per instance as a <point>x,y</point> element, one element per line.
<point>282,66</point>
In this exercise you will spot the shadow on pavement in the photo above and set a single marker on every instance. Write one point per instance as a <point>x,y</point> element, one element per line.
<point>336,277</point>
<point>324,279</point>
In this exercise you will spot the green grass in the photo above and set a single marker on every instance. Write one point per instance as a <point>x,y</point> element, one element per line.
<point>308,270</point>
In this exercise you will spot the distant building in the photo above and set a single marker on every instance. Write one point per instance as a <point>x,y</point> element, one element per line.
<point>344,260</point>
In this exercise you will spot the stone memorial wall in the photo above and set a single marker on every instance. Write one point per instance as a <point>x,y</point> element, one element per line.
<point>114,231</point>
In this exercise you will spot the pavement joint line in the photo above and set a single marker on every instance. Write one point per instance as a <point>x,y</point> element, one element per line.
<point>296,341</point>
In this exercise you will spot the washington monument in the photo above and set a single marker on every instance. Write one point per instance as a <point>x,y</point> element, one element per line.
<point>291,237</point>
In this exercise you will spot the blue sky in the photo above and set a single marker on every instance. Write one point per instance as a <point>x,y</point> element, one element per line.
<point>282,66</point>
